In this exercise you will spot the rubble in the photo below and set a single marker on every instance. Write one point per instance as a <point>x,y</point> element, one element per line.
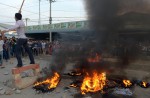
<point>2,92</point>
<point>13,89</point>
<point>6,73</point>
<point>8,92</point>
<point>1,88</point>
<point>18,91</point>
<point>5,82</point>
<point>9,83</point>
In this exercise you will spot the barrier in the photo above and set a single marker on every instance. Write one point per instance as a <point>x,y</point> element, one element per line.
<point>20,82</point>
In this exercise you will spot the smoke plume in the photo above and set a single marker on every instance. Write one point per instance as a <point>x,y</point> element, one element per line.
<point>105,18</point>
<point>105,22</point>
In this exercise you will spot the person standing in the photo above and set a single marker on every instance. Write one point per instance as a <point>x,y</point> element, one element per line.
<point>6,49</point>
<point>13,45</point>
<point>1,49</point>
<point>43,47</point>
<point>22,40</point>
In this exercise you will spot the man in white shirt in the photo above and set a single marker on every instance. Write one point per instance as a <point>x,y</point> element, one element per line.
<point>22,40</point>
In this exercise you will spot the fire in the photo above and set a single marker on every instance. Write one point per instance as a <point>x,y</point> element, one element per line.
<point>127,83</point>
<point>95,59</point>
<point>53,81</point>
<point>93,83</point>
<point>144,84</point>
<point>73,85</point>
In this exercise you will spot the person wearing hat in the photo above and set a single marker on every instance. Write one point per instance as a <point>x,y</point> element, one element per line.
<point>22,40</point>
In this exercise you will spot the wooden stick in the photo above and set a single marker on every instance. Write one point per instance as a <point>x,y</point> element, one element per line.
<point>21,6</point>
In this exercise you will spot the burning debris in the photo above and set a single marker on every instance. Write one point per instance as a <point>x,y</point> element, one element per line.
<point>93,83</point>
<point>73,85</point>
<point>47,85</point>
<point>76,83</point>
<point>90,77</point>
<point>127,83</point>
<point>143,84</point>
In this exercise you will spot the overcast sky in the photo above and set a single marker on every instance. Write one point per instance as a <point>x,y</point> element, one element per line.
<point>62,11</point>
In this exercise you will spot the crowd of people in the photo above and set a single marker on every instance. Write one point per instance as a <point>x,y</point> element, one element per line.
<point>10,47</point>
<point>38,47</point>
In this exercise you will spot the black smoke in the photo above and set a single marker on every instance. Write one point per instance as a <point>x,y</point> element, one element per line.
<point>105,24</point>
<point>105,19</point>
<point>102,22</point>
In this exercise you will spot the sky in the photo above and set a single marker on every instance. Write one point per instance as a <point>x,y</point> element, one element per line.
<point>62,11</point>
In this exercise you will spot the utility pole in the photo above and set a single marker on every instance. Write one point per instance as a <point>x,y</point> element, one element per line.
<point>50,14</point>
<point>26,19</point>
<point>39,12</point>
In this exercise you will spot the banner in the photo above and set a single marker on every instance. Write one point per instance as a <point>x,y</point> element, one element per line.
<point>65,25</point>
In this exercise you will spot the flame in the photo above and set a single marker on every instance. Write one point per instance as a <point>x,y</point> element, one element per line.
<point>53,82</point>
<point>93,83</point>
<point>95,59</point>
<point>144,84</point>
<point>127,83</point>
<point>73,85</point>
